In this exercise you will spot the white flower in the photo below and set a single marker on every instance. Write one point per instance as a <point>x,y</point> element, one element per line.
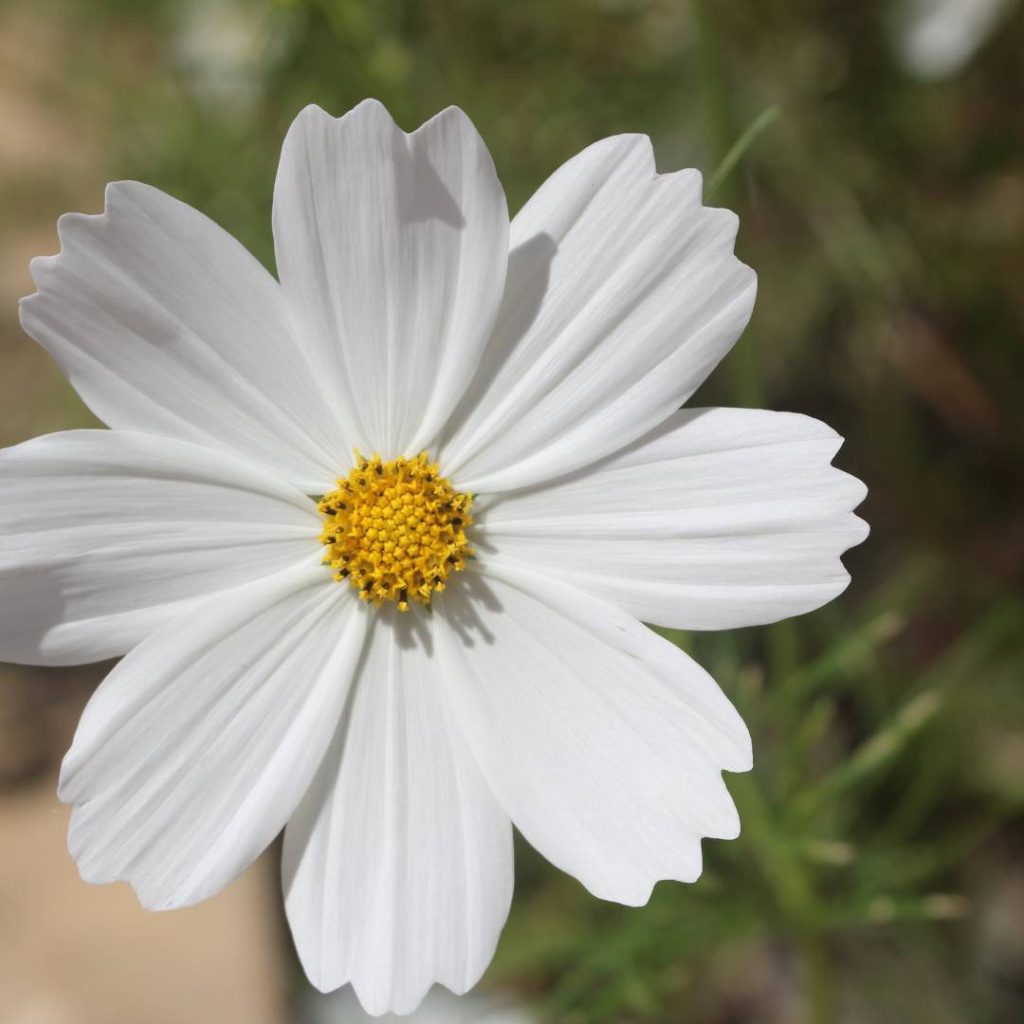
<point>937,38</point>
<point>542,365</point>
<point>225,49</point>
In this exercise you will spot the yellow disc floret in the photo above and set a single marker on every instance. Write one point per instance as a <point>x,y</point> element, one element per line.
<point>395,530</point>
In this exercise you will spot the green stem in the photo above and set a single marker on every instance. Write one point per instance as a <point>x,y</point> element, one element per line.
<point>820,982</point>
<point>720,124</point>
<point>718,112</point>
<point>739,149</point>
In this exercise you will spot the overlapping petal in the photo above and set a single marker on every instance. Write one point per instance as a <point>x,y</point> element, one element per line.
<point>622,295</point>
<point>603,742</point>
<point>719,518</point>
<point>106,535</point>
<point>197,747</point>
<point>398,864</point>
<point>165,324</point>
<point>392,249</point>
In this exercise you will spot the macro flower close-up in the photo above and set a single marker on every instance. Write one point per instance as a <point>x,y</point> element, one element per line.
<point>376,540</point>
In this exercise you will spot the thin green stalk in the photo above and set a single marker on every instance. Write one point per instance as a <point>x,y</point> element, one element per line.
<point>728,150</point>
<point>820,988</point>
<point>739,148</point>
<point>718,111</point>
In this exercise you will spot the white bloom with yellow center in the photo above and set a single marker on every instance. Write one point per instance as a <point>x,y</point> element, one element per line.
<point>376,539</point>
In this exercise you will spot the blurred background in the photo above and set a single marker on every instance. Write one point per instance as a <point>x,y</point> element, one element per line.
<point>875,153</point>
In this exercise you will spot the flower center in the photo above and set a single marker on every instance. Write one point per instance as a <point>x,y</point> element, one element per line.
<point>395,530</point>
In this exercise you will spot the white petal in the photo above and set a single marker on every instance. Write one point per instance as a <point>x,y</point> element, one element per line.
<point>165,324</point>
<point>392,248</point>
<point>719,518</point>
<point>938,38</point>
<point>622,295</point>
<point>398,864</point>
<point>196,748</point>
<point>107,535</point>
<point>603,742</point>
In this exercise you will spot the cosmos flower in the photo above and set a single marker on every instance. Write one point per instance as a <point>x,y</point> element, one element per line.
<point>376,541</point>
<point>225,49</point>
<point>936,39</point>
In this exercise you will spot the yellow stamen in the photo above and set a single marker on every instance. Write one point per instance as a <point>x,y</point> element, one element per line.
<point>395,530</point>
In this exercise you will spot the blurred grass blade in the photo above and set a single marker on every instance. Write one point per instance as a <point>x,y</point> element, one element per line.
<point>884,910</point>
<point>851,652</point>
<point>739,148</point>
<point>881,749</point>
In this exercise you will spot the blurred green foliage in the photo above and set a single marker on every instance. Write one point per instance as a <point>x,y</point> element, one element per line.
<point>882,835</point>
